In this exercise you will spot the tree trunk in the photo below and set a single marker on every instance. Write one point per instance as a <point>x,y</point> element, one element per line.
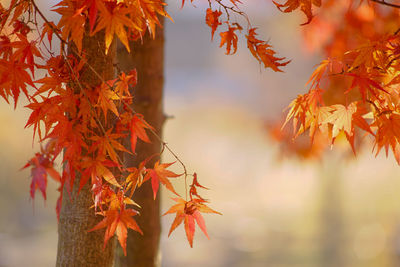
<point>332,231</point>
<point>148,58</point>
<point>77,247</point>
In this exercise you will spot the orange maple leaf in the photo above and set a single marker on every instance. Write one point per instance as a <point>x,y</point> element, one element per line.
<point>344,118</point>
<point>149,9</point>
<point>229,38</point>
<point>365,84</point>
<point>189,212</point>
<point>136,176</point>
<point>304,5</point>
<point>114,18</point>
<point>388,133</point>
<point>193,187</point>
<point>262,51</point>
<point>124,82</point>
<point>97,169</point>
<point>13,79</point>
<point>26,51</point>
<point>41,167</point>
<point>138,128</point>
<point>106,99</point>
<point>72,22</point>
<point>118,221</point>
<point>212,20</point>
<point>5,46</point>
<point>305,112</point>
<point>91,5</point>
<point>318,73</point>
<point>160,174</point>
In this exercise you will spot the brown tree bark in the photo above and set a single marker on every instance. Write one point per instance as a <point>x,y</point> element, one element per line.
<point>76,246</point>
<point>147,57</point>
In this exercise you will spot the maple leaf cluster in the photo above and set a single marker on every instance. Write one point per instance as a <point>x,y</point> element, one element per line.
<point>72,119</point>
<point>189,212</point>
<point>220,15</point>
<point>354,92</point>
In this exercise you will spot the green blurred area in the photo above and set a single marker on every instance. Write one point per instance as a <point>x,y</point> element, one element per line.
<point>335,212</point>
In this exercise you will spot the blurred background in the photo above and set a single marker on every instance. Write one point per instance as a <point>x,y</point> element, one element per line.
<point>335,211</point>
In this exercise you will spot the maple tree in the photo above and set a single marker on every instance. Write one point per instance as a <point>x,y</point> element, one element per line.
<point>82,112</point>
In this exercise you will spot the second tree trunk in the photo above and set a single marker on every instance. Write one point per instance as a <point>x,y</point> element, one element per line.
<point>147,57</point>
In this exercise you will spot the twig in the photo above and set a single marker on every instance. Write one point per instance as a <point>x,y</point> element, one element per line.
<point>382,2</point>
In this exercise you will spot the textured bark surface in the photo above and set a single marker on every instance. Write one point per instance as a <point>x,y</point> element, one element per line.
<point>77,247</point>
<point>148,58</point>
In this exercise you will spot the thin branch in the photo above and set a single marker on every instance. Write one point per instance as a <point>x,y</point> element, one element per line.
<point>382,2</point>
<point>234,9</point>
<point>373,104</point>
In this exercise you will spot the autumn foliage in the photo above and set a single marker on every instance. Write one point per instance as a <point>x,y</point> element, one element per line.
<point>82,124</point>
<point>352,93</point>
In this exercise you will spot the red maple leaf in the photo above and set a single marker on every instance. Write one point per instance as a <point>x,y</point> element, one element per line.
<point>304,5</point>
<point>263,52</point>
<point>41,167</point>
<point>230,38</point>
<point>212,20</point>
<point>138,128</point>
<point>26,51</point>
<point>160,174</point>
<point>117,221</point>
<point>13,79</point>
<point>189,213</point>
